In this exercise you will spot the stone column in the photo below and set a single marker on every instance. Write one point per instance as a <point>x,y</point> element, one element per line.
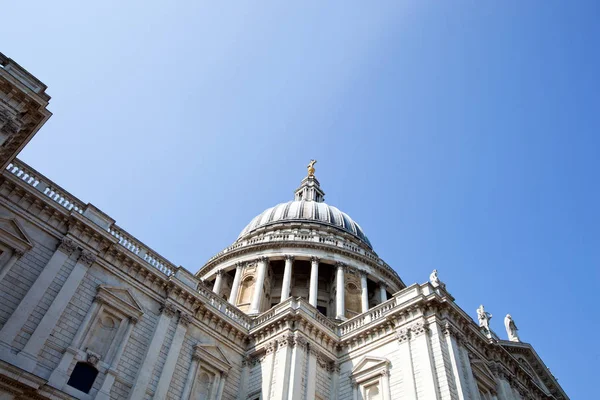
<point>11,261</point>
<point>474,390</point>
<point>169,368</point>
<point>235,287</point>
<point>420,343</point>
<point>340,306</point>
<point>284,357</point>
<point>267,368</point>
<point>13,325</point>
<point>243,389</point>
<point>287,277</point>
<point>406,367</point>
<point>261,273</point>
<point>456,364</point>
<point>27,358</point>
<point>145,372</point>
<point>218,282</point>
<point>364,292</point>
<point>311,381</point>
<point>189,381</point>
<point>382,292</point>
<point>334,369</point>
<point>221,387</point>
<point>314,281</point>
<point>111,374</point>
<point>297,366</point>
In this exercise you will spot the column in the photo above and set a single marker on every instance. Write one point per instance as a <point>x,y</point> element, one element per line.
<point>27,358</point>
<point>364,292</point>
<point>222,378</point>
<point>111,373</point>
<point>169,368</point>
<point>340,306</point>
<point>314,281</point>
<point>334,368</point>
<point>456,364</point>
<point>419,344</point>
<point>14,324</point>
<point>189,381</point>
<point>382,292</point>
<point>406,367</point>
<point>145,372</point>
<point>258,285</point>
<point>218,282</point>
<point>287,277</point>
<point>284,359</point>
<point>11,261</point>
<point>267,368</point>
<point>235,288</point>
<point>297,364</point>
<point>311,382</point>
<point>59,376</point>
<point>243,389</point>
<point>469,372</point>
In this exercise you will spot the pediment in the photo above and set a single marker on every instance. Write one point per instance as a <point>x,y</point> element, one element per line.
<point>212,355</point>
<point>121,299</point>
<point>13,234</point>
<point>368,364</point>
<point>483,374</point>
<point>534,366</point>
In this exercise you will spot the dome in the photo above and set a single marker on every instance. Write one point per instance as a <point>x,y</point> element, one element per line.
<point>307,211</point>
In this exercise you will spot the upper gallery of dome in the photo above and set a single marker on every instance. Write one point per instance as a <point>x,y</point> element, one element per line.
<point>308,206</point>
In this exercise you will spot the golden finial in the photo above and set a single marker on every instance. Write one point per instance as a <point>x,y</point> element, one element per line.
<point>311,167</point>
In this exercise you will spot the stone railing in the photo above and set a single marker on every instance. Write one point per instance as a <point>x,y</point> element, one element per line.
<point>294,304</point>
<point>312,238</point>
<point>71,203</point>
<point>222,306</point>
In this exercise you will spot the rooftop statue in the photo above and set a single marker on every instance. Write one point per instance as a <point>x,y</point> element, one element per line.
<point>311,167</point>
<point>435,280</point>
<point>511,329</point>
<point>483,317</point>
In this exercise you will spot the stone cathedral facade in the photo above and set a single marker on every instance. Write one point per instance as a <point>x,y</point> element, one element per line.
<point>298,307</point>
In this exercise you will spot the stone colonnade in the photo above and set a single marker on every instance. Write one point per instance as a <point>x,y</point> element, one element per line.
<point>262,266</point>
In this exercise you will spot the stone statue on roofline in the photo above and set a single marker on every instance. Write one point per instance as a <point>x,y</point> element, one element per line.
<point>484,318</point>
<point>511,329</point>
<point>435,280</point>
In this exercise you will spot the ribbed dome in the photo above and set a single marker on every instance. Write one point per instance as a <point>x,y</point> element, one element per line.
<point>308,211</point>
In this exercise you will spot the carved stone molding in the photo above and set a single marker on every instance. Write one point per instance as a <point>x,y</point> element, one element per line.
<point>86,258</point>
<point>289,257</point>
<point>185,319</point>
<point>314,259</point>
<point>67,246</point>
<point>92,357</point>
<point>286,341</point>
<point>419,328</point>
<point>168,309</point>
<point>271,346</point>
<point>403,335</point>
<point>299,341</point>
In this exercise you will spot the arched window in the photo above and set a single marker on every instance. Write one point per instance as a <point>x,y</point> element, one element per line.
<point>83,377</point>
<point>246,291</point>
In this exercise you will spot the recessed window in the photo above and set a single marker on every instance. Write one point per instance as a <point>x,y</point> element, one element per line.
<point>83,377</point>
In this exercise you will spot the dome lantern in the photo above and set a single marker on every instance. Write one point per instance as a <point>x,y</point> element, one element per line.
<point>310,189</point>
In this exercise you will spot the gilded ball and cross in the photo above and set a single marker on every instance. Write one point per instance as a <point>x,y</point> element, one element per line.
<point>311,167</point>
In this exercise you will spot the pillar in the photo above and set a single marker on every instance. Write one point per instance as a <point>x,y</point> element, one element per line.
<point>145,371</point>
<point>267,368</point>
<point>243,389</point>
<point>11,261</point>
<point>311,381</point>
<point>314,281</point>
<point>111,373</point>
<point>218,282</point>
<point>189,381</point>
<point>419,343</point>
<point>261,273</point>
<point>13,325</point>
<point>297,366</point>
<point>235,287</point>
<point>340,306</point>
<point>169,368</point>
<point>287,277</point>
<point>27,358</point>
<point>456,364</point>
<point>382,292</point>
<point>364,292</point>
<point>334,368</point>
<point>406,365</point>
<point>284,359</point>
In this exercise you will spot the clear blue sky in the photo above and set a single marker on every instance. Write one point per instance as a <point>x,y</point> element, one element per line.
<point>461,135</point>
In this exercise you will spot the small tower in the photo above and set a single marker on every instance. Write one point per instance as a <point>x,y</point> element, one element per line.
<point>310,189</point>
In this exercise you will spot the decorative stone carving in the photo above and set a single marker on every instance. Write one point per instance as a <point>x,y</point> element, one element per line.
<point>67,246</point>
<point>185,319</point>
<point>87,258</point>
<point>403,335</point>
<point>315,259</point>
<point>300,341</point>
<point>484,318</point>
<point>168,309</point>
<point>289,257</point>
<point>511,329</point>
<point>418,328</point>
<point>92,357</point>
<point>271,346</point>
<point>435,280</point>
<point>286,341</point>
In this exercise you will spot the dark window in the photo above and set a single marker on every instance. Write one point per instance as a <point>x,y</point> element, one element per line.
<point>83,377</point>
<point>322,310</point>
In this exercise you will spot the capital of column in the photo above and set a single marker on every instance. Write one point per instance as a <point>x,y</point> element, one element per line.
<point>219,272</point>
<point>341,265</point>
<point>168,309</point>
<point>382,285</point>
<point>314,259</point>
<point>18,253</point>
<point>239,265</point>
<point>67,246</point>
<point>262,259</point>
<point>185,319</point>
<point>289,257</point>
<point>86,258</point>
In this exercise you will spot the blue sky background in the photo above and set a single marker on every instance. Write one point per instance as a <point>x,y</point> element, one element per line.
<point>461,135</point>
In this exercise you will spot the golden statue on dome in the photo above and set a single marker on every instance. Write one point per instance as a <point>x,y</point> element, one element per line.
<point>311,167</point>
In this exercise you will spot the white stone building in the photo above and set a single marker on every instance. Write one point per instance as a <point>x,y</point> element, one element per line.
<point>299,307</point>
